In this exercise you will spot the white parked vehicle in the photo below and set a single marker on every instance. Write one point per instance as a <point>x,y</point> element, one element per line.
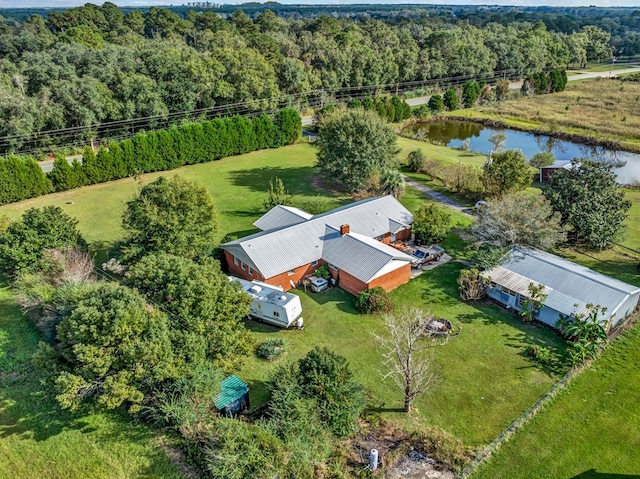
<point>271,304</point>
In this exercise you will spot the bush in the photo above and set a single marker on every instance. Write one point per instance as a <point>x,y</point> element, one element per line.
<point>436,103</point>
<point>432,222</point>
<point>540,354</point>
<point>322,272</point>
<point>451,99</point>
<point>271,349</point>
<point>471,285</point>
<point>416,160</point>
<point>373,301</point>
<point>443,447</point>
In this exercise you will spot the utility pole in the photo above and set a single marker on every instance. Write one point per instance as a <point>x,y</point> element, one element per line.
<point>613,60</point>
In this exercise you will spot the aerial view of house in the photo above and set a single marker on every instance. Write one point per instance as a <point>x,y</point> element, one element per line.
<point>352,240</point>
<point>568,287</point>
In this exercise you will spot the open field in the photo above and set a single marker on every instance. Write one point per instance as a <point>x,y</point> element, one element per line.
<point>592,425</point>
<point>37,440</point>
<point>601,109</point>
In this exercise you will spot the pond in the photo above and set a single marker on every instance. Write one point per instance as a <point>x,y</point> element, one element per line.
<point>453,133</point>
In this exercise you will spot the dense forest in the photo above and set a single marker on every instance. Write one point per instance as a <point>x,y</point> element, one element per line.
<point>94,64</point>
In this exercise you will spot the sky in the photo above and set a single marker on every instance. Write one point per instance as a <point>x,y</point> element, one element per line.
<point>73,3</point>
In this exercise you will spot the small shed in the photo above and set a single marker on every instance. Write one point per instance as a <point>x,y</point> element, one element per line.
<point>233,397</point>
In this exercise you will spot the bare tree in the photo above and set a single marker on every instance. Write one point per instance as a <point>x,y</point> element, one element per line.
<point>405,351</point>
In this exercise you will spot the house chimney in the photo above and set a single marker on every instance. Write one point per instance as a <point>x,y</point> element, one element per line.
<point>344,229</point>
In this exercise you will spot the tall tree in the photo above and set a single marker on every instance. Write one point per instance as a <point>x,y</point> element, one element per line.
<point>206,310</point>
<point>505,172</point>
<point>111,349</point>
<point>519,220</point>
<point>170,215</point>
<point>590,202</point>
<point>355,147</point>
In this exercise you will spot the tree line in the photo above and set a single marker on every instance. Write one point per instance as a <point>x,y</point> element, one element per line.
<point>161,150</point>
<point>89,65</point>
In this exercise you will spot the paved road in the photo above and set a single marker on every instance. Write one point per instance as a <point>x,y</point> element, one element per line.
<point>423,100</point>
<point>437,196</point>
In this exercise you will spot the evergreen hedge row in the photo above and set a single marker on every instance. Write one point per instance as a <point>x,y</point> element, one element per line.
<point>161,150</point>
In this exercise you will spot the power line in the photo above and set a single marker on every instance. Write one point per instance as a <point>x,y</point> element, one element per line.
<point>109,131</point>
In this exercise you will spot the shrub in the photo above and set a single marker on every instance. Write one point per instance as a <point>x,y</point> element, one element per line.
<point>432,222</point>
<point>471,285</point>
<point>436,103</point>
<point>373,300</point>
<point>451,99</point>
<point>271,349</point>
<point>416,160</point>
<point>443,447</point>
<point>322,272</point>
<point>540,354</point>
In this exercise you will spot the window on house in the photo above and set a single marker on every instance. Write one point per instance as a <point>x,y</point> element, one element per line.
<point>235,261</point>
<point>314,263</point>
<point>250,271</point>
<point>333,267</point>
<point>522,301</point>
<point>493,285</point>
<point>242,265</point>
<point>291,272</point>
<point>509,292</point>
<point>276,314</point>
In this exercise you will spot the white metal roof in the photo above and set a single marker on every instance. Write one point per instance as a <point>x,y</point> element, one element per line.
<point>273,252</point>
<point>361,256</point>
<point>280,216</point>
<point>571,284</point>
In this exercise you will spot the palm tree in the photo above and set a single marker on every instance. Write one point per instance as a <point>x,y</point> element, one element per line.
<point>392,183</point>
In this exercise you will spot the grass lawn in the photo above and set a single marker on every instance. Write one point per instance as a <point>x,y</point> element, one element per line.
<point>602,109</point>
<point>38,440</point>
<point>593,424</point>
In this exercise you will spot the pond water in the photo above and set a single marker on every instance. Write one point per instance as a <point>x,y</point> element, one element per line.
<point>453,133</point>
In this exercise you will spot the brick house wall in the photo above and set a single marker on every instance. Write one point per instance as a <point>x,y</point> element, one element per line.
<point>282,280</point>
<point>388,282</point>
<point>393,279</point>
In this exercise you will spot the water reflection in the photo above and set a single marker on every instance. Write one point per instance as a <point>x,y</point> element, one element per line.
<point>454,133</point>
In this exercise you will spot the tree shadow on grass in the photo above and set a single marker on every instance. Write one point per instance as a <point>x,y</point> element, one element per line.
<point>296,180</point>
<point>593,474</point>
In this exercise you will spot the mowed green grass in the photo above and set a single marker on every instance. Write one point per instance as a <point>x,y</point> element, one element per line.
<point>38,440</point>
<point>592,425</point>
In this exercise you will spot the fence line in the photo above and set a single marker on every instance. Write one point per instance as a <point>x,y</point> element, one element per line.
<point>520,422</point>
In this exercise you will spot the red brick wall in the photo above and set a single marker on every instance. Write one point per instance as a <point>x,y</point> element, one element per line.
<point>351,284</point>
<point>393,279</point>
<point>404,235</point>
<point>388,282</point>
<point>300,272</point>
<point>236,270</point>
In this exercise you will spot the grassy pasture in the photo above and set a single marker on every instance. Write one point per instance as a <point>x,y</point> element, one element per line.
<point>602,109</point>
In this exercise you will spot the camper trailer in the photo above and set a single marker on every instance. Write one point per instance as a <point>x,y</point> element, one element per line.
<point>271,304</point>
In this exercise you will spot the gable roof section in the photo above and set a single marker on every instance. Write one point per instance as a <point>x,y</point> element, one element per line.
<point>275,251</point>
<point>281,216</point>
<point>361,256</point>
<point>570,283</point>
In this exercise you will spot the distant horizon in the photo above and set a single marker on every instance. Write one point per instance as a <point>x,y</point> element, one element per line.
<point>513,3</point>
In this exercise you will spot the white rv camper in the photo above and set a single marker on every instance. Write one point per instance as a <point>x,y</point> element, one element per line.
<point>271,304</point>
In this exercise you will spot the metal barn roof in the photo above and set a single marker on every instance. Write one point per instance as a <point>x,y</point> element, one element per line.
<point>572,286</point>
<point>273,252</point>
<point>232,388</point>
